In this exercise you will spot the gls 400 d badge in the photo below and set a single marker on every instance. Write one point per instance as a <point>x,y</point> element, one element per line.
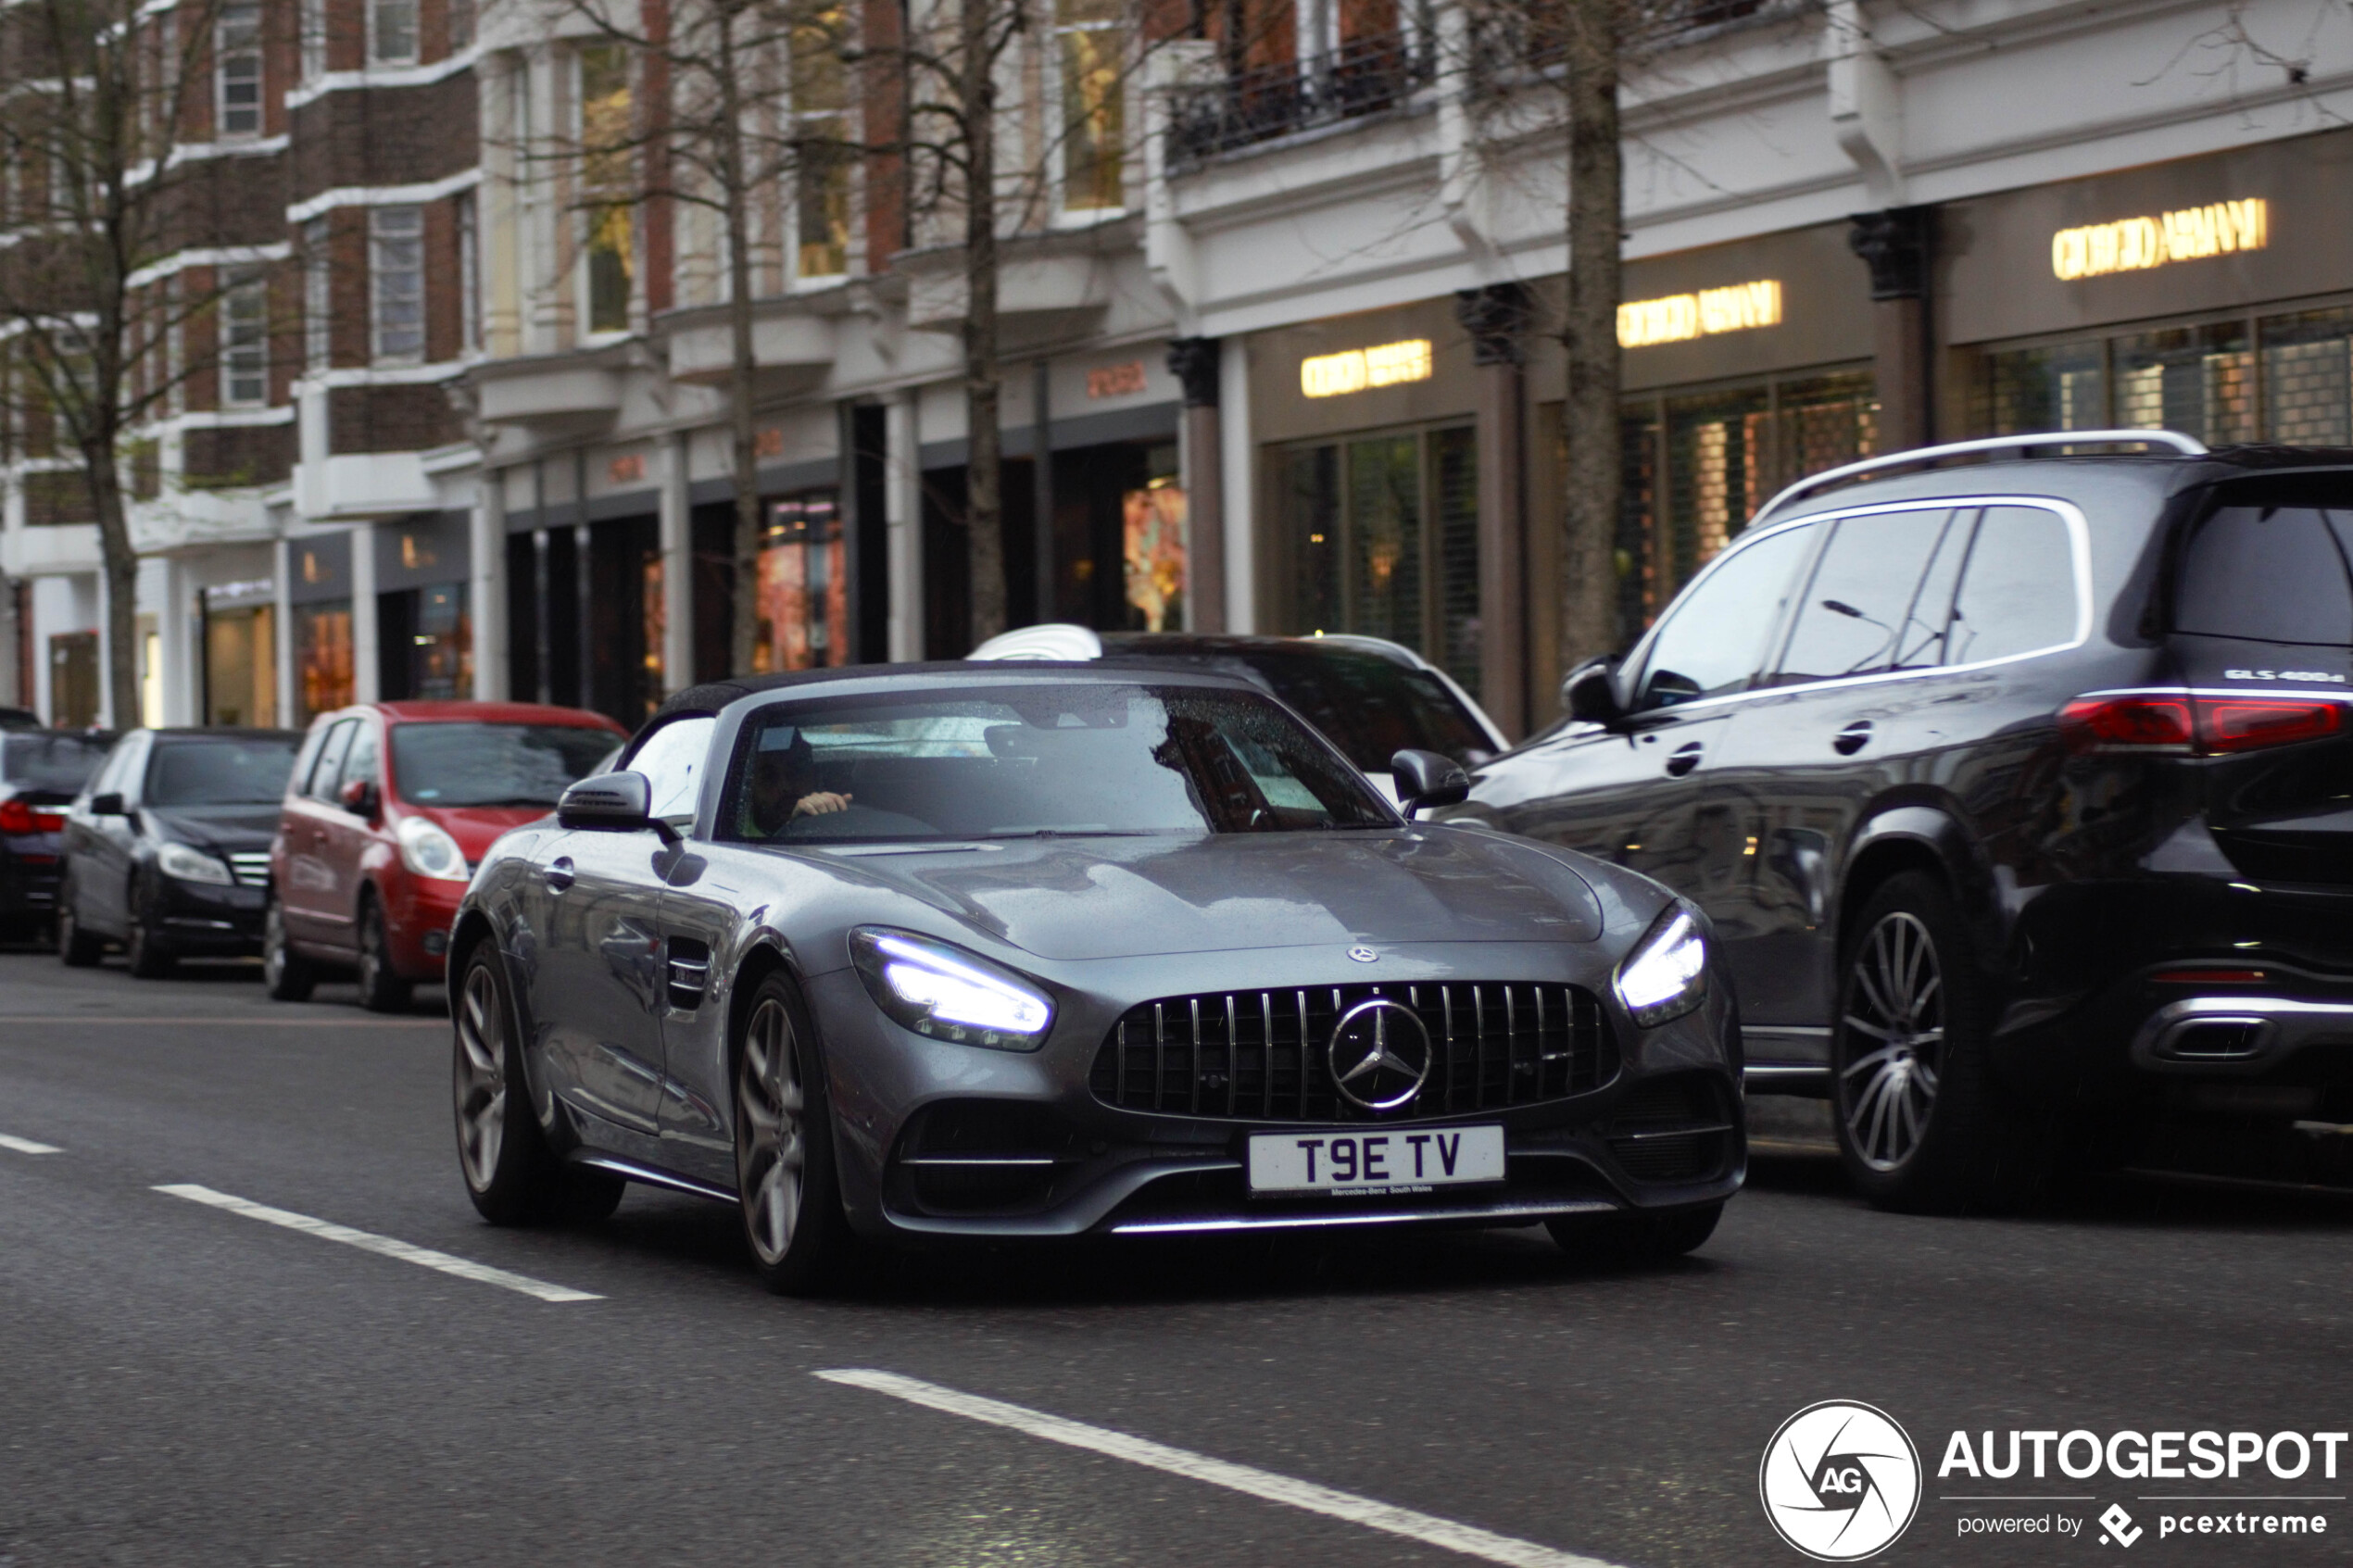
<point>1839,1481</point>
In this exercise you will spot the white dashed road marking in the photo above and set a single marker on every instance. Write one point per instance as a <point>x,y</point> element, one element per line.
<point>1468,1540</point>
<point>384,1246</point>
<point>26,1145</point>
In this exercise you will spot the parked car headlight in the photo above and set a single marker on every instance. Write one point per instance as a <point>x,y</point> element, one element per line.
<point>427,849</point>
<point>1666,975</point>
<point>936,989</point>
<point>186,864</point>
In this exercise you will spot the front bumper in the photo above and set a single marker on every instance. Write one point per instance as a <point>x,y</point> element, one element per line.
<point>941,1140</point>
<point>197,917</point>
<point>418,913</point>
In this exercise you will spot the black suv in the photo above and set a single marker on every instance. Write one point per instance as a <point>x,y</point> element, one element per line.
<point>2017,779</point>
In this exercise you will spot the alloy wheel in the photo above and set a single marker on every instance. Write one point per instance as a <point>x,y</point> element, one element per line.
<point>371,951</point>
<point>770,1151</point>
<point>1895,1020</point>
<point>482,1077</point>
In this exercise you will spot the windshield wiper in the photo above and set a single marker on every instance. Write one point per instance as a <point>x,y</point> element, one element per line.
<point>1073,833</point>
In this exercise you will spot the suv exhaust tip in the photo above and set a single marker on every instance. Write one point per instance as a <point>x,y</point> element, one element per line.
<point>2212,1039</point>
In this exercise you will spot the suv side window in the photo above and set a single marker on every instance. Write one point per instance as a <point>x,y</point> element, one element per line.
<point>1713,639</point>
<point>2018,591</point>
<point>1855,609</point>
<point>673,759</point>
<point>328,770</point>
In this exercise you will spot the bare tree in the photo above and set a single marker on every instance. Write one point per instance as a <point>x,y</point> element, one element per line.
<point>1591,35</point>
<point>103,101</point>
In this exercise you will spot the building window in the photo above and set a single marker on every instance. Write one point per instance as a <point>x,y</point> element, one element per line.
<point>317,296</point>
<point>607,125</point>
<point>1091,45</point>
<point>322,658</point>
<point>1697,467</point>
<point>469,275</point>
<point>313,21</point>
<point>1379,535</point>
<point>392,33</point>
<point>244,339</point>
<point>397,270</point>
<point>236,54</point>
<point>822,162</point>
<point>461,25</point>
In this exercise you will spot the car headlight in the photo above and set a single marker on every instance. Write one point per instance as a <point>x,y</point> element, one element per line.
<point>1666,975</point>
<point>427,849</point>
<point>183,863</point>
<point>949,993</point>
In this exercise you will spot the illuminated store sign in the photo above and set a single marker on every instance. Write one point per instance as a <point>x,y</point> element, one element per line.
<point>2134,244</point>
<point>1331,375</point>
<point>1679,318</point>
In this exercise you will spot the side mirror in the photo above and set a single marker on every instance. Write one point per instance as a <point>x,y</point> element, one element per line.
<point>1428,778</point>
<point>359,798</point>
<point>107,805</point>
<point>611,803</point>
<point>1589,693</point>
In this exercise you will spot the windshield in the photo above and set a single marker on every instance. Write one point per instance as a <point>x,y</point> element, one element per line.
<point>1370,707</point>
<point>245,770</point>
<point>61,762</point>
<point>472,764</point>
<point>1036,761</point>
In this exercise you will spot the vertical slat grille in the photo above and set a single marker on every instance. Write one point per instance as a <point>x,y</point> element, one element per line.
<point>1261,1055</point>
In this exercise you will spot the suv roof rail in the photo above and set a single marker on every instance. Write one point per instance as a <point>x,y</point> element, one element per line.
<point>2188,445</point>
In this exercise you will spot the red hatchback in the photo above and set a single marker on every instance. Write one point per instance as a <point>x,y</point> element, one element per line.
<point>390,807</point>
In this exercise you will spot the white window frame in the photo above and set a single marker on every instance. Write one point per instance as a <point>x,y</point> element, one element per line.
<point>379,54</point>
<point>317,296</point>
<point>469,272</point>
<point>244,318</point>
<point>389,230</point>
<point>235,64</point>
<point>312,19</point>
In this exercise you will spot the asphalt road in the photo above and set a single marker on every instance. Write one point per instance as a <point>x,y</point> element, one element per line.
<point>184,1383</point>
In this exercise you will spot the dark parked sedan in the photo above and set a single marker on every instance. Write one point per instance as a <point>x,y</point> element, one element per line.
<point>1051,950</point>
<point>40,771</point>
<point>167,846</point>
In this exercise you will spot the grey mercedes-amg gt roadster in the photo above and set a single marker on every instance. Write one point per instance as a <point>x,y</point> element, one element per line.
<point>1054,951</point>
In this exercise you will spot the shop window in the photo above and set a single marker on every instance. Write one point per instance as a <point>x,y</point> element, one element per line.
<point>322,657</point>
<point>1092,45</point>
<point>2286,378</point>
<point>804,606</point>
<point>1379,537</point>
<point>2195,378</point>
<point>2063,386</point>
<point>1152,553</point>
<point>240,667</point>
<point>607,117</point>
<point>2308,378</point>
<point>425,638</point>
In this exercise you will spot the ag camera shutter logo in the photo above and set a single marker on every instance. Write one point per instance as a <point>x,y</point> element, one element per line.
<point>1839,1481</point>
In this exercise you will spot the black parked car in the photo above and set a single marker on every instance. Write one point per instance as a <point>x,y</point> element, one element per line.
<point>2019,795</point>
<point>167,846</point>
<point>40,771</point>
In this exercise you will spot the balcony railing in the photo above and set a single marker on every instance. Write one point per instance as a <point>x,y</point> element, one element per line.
<point>1364,76</point>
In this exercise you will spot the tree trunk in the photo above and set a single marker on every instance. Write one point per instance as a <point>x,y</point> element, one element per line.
<point>1589,568</point>
<point>984,471</point>
<point>744,440</point>
<point>122,586</point>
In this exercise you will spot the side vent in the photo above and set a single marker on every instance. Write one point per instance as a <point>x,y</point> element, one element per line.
<point>688,972</point>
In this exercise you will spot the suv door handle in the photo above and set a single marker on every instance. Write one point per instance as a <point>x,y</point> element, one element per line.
<point>1684,759</point>
<point>559,873</point>
<point>1853,739</point>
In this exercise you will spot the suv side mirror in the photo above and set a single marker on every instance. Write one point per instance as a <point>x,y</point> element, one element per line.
<point>359,798</point>
<point>1428,778</point>
<point>618,802</point>
<point>107,805</point>
<point>1589,693</point>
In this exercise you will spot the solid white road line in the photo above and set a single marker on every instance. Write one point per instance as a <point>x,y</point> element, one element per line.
<point>1468,1540</point>
<point>382,1245</point>
<point>26,1145</point>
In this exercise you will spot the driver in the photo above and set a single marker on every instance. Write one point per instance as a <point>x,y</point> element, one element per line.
<point>784,783</point>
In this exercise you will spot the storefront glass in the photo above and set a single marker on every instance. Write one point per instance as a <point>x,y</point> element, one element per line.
<point>241,662</point>
<point>1381,537</point>
<point>322,657</point>
<point>804,605</point>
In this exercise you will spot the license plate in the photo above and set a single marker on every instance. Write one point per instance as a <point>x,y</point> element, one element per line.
<point>1375,1162</point>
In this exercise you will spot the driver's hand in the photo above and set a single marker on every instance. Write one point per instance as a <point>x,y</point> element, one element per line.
<point>819,803</point>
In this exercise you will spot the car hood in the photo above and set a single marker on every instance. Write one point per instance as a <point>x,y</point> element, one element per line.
<point>1113,898</point>
<point>225,828</point>
<point>476,828</point>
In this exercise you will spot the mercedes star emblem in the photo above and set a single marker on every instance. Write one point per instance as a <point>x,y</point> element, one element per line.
<point>1363,955</point>
<point>1380,1054</point>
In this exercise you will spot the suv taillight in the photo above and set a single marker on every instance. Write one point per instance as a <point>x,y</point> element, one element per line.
<point>2184,725</point>
<point>18,817</point>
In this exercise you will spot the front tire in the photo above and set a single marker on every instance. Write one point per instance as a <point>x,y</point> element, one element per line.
<point>511,1175</point>
<point>77,948</point>
<point>285,975</point>
<point>788,1194</point>
<point>380,987</point>
<point>1922,1125</point>
<point>143,947</point>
